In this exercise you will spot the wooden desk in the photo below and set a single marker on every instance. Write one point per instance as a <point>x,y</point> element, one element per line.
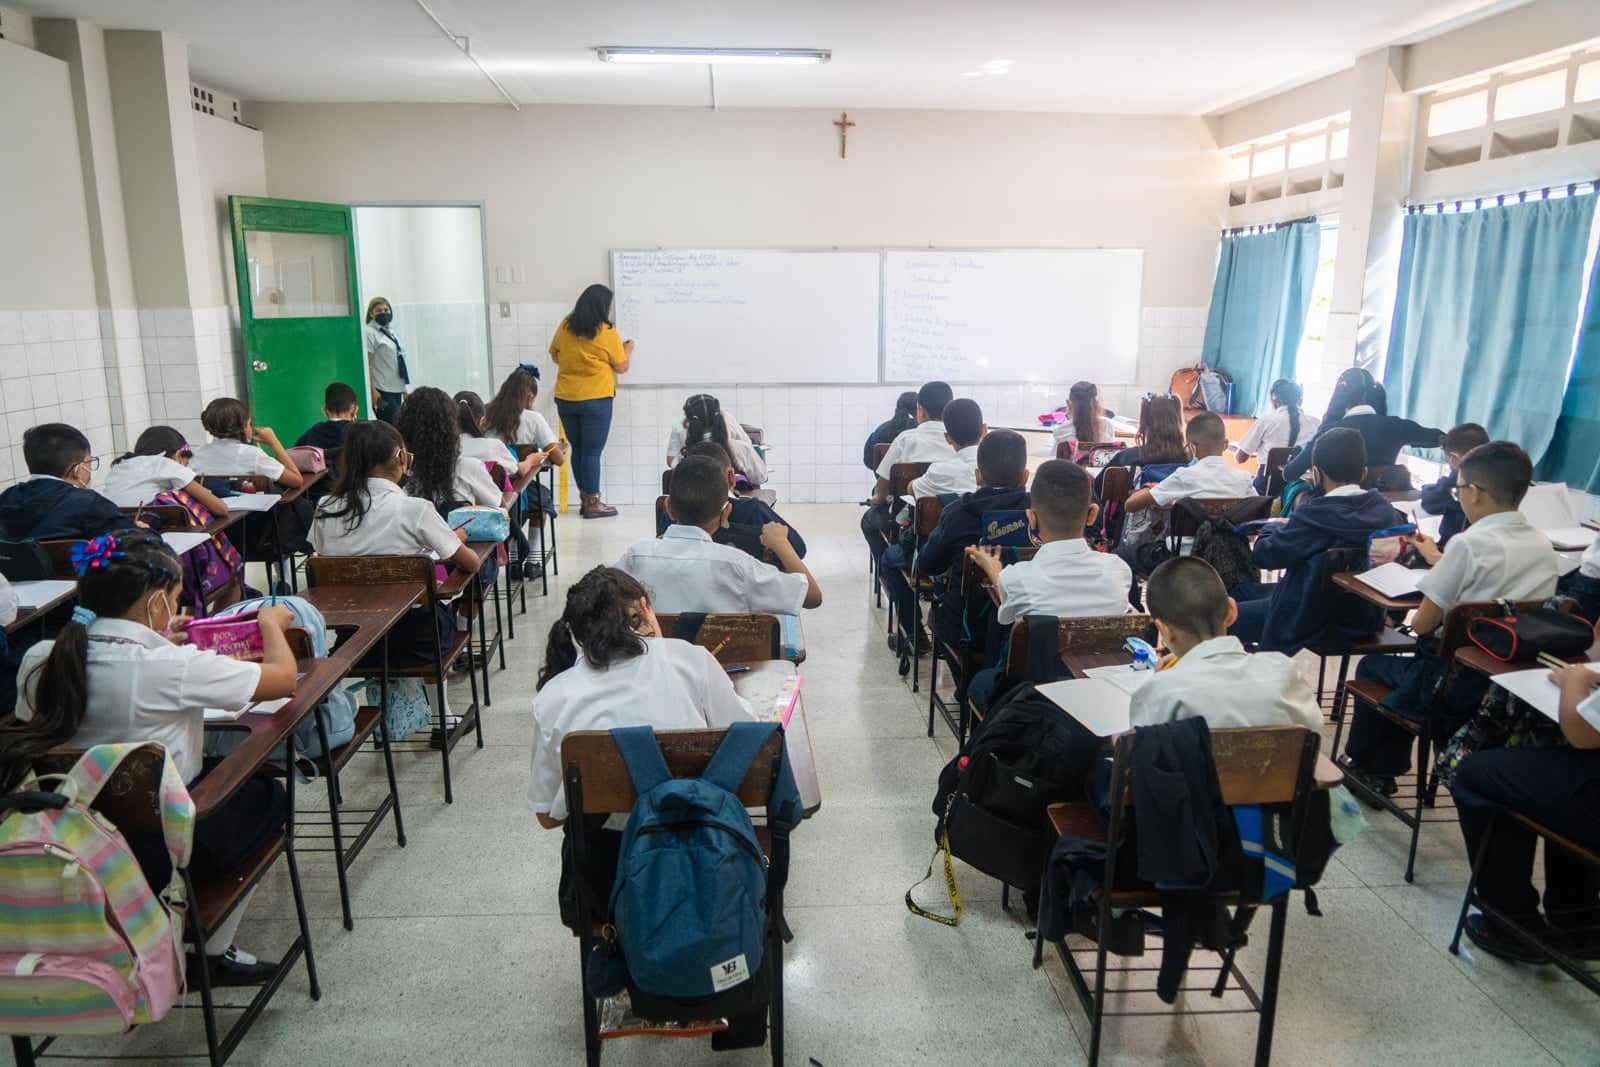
<point>760,684</point>
<point>289,496</point>
<point>1352,583</point>
<point>1473,658</point>
<point>363,613</point>
<point>28,615</point>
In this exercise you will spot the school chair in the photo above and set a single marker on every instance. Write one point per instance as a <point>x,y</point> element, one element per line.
<point>1272,467</point>
<point>1372,693</point>
<point>1115,485</point>
<point>1533,936</point>
<point>598,783</point>
<point>1384,641</point>
<point>731,638</point>
<point>1390,478</point>
<point>159,517</point>
<point>962,654</point>
<point>1272,765</point>
<point>923,521</point>
<point>131,801</point>
<point>878,452</point>
<point>550,552</point>
<point>1087,452</point>
<point>1190,513</point>
<point>410,570</point>
<point>901,475</point>
<point>256,549</point>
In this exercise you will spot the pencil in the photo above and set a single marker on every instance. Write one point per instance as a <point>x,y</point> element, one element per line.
<point>715,652</point>
<point>1547,660</point>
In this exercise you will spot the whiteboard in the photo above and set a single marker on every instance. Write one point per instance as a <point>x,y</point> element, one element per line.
<point>1015,316</point>
<point>708,317</point>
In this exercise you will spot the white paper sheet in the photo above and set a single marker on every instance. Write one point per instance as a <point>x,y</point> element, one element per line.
<point>1124,677</point>
<point>1534,688</point>
<point>38,594</point>
<point>252,501</point>
<point>1101,707</point>
<point>181,541</point>
<point>1572,538</point>
<point>1393,580</point>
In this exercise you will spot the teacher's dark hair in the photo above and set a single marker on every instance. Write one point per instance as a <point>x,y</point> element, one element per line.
<point>601,620</point>
<point>592,311</point>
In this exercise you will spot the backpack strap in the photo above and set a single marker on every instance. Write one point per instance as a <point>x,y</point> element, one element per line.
<point>96,766</point>
<point>731,762</point>
<point>642,756</point>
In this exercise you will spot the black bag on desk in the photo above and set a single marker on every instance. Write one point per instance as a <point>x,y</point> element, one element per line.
<point>25,561</point>
<point>1520,637</point>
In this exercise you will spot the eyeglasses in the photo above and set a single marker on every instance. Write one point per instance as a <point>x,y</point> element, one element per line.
<point>406,458</point>
<point>93,463</point>
<point>1455,493</point>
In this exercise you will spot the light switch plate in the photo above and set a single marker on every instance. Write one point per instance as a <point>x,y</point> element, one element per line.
<point>505,310</point>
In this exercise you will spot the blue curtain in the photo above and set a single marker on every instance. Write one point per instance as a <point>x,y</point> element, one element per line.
<point>1574,453</point>
<point>1258,309</point>
<point>1484,316</point>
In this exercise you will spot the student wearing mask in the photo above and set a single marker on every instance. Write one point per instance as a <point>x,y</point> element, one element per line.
<point>440,474</point>
<point>340,410</point>
<point>386,361</point>
<point>55,503</point>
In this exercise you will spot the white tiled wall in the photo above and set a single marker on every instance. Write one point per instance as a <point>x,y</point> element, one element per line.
<point>815,432</point>
<point>52,369</point>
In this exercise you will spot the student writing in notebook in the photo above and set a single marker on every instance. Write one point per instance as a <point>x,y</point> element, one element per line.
<point>159,463</point>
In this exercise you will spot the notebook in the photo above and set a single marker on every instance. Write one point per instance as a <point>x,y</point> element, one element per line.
<point>1534,688</point>
<point>1123,676</point>
<point>1100,706</point>
<point>38,594</point>
<point>181,541</point>
<point>1571,538</point>
<point>253,502</point>
<point>260,707</point>
<point>1393,580</point>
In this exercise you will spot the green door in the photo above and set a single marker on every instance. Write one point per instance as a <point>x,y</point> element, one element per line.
<point>296,268</point>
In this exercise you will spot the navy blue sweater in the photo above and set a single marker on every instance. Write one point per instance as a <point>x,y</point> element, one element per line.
<point>329,433</point>
<point>1385,436</point>
<point>1299,612</point>
<point>1439,499</point>
<point>960,525</point>
<point>49,509</point>
<point>747,511</point>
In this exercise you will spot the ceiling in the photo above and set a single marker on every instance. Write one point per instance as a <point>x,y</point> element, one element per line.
<point>1136,56</point>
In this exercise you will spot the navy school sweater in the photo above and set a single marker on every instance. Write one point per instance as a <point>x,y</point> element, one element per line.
<point>960,525</point>
<point>1299,612</point>
<point>49,509</point>
<point>746,511</point>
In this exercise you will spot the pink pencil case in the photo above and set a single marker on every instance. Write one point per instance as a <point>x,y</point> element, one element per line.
<point>234,636</point>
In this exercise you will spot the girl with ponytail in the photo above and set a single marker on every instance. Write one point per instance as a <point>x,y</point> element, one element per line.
<point>1086,418</point>
<point>607,664</point>
<point>1285,426</point>
<point>159,463</point>
<point>704,420</point>
<point>122,670</point>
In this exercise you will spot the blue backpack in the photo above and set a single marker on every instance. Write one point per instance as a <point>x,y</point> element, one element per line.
<point>689,902</point>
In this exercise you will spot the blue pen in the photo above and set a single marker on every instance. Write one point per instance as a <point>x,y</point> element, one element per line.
<point>737,670</point>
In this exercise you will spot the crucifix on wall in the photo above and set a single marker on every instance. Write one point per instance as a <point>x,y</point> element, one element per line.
<point>844,124</point>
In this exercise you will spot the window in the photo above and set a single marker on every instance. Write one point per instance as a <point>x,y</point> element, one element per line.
<point>1316,378</point>
<point>1267,161</point>
<point>297,275</point>
<point>1543,92</point>
<point>1339,143</point>
<point>1588,82</point>
<point>1308,152</point>
<point>1239,168</point>
<point>1458,113</point>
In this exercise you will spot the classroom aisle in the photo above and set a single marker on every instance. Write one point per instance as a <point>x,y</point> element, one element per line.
<point>458,955</point>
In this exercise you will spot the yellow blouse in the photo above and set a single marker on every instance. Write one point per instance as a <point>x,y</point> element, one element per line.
<point>584,365</point>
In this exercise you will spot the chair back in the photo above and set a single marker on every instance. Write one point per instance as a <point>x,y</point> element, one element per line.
<point>370,570</point>
<point>1116,483</point>
<point>60,553</point>
<point>735,638</point>
<point>929,508</point>
<point>131,799</point>
<point>1272,467</point>
<point>901,475</point>
<point>663,520</point>
<point>666,481</point>
<point>1088,635</point>
<point>879,450</point>
<point>524,451</point>
<point>1191,512</point>
<point>1391,478</point>
<point>165,516</point>
<point>1255,765</point>
<point>598,782</point>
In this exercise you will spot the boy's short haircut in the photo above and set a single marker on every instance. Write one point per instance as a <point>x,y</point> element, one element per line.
<point>54,448</point>
<point>710,450</point>
<point>1340,454</point>
<point>933,397</point>
<point>1501,469</point>
<point>699,490</point>
<point>1464,438</point>
<point>1187,594</point>
<point>338,398</point>
<point>1061,494</point>
<point>963,421</point>
<point>1003,459</point>
<point>1207,433</point>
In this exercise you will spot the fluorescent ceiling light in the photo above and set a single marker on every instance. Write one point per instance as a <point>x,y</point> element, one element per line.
<point>719,56</point>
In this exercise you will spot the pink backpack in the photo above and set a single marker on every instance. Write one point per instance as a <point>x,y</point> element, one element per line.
<point>86,947</point>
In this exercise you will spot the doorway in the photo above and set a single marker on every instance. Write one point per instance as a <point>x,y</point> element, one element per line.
<point>428,261</point>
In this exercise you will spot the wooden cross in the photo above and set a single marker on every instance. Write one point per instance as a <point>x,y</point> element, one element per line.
<point>844,124</point>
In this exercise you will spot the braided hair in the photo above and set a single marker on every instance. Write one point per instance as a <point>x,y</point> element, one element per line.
<point>703,421</point>
<point>1288,394</point>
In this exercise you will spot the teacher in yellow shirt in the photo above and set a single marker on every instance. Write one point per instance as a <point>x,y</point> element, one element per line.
<point>589,355</point>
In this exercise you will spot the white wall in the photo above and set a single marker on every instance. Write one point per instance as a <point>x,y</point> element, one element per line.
<point>231,161</point>
<point>564,185</point>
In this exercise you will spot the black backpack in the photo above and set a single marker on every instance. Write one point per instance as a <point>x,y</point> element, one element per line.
<point>1026,756</point>
<point>1219,543</point>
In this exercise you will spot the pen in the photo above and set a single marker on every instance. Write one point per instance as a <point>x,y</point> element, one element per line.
<point>737,670</point>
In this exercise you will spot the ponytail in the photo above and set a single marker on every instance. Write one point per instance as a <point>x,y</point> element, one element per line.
<point>469,413</point>
<point>601,619</point>
<point>1288,394</point>
<point>156,441</point>
<point>703,420</point>
<point>114,572</point>
<point>1080,405</point>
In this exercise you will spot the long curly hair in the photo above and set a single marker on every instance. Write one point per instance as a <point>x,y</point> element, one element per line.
<point>502,416</point>
<point>601,619</point>
<point>429,426</point>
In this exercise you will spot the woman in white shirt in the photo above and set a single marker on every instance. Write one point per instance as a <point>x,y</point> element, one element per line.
<point>232,449</point>
<point>1285,426</point>
<point>704,420</point>
<point>159,463</point>
<point>606,664</point>
<point>386,361</point>
<point>122,671</point>
<point>368,514</point>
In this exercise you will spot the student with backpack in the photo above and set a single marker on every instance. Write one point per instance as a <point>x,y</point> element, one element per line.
<point>122,671</point>
<point>1287,615</point>
<point>749,512</point>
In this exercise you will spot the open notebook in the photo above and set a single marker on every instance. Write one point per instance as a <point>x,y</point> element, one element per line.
<point>260,707</point>
<point>1534,688</point>
<point>1393,580</point>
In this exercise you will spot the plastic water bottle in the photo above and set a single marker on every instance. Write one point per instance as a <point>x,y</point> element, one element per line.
<point>1141,659</point>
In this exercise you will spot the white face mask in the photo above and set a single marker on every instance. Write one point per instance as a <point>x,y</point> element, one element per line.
<point>149,611</point>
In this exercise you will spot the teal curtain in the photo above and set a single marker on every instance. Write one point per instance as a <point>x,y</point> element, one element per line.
<point>1484,317</point>
<point>1258,308</point>
<point>1574,453</point>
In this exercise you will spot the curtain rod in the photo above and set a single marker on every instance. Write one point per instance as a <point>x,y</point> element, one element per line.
<point>1477,203</point>
<point>1265,227</point>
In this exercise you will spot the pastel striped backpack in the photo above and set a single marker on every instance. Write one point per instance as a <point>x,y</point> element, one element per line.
<point>86,947</point>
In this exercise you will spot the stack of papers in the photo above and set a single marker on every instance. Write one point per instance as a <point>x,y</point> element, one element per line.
<point>1393,580</point>
<point>1124,677</point>
<point>1534,688</point>
<point>252,502</point>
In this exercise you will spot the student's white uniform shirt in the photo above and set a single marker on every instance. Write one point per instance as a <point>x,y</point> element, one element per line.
<point>395,525</point>
<point>533,429</point>
<point>486,450</point>
<point>233,457</point>
<point>473,484</point>
<point>746,460</point>
<point>8,602</point>
<point>685,570</point>
<point>1228,687</point>
<point>673,685</point>
<point>143,687</point>
<point>923,443</point>
<point>958,475</point>
<point>1067,579</point>
<point>1590,567</point>
<point>1272,431</point>
<point>138,479</point>
<point>1211,478</point>
<point>1068,431</point>
<point>1499,556</point>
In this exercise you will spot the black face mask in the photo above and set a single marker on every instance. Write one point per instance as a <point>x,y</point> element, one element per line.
<point>384,318</point>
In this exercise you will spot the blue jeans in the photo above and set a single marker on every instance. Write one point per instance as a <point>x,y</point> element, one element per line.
<point>588,424</point>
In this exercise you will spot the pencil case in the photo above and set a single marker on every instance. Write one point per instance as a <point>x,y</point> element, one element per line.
<point>234,636</point>
<point>481,523</point>
<point>1521,637</point>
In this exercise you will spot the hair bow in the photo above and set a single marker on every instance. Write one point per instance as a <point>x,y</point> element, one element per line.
<point>95,553</point>
<point>530,368</point>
